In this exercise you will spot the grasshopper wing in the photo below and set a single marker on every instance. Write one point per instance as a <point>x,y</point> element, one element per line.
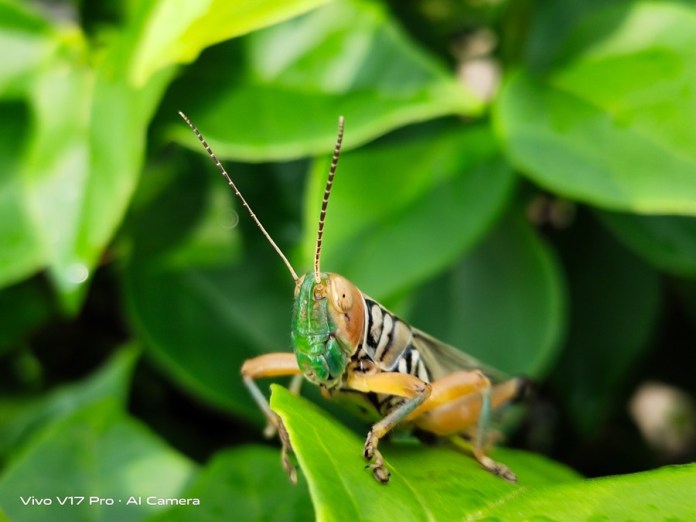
<point>442,359</point>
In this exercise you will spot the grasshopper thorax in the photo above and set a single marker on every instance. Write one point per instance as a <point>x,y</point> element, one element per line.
<point>328,320</point>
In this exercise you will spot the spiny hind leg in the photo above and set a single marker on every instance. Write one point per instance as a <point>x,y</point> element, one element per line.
<point>414,391</point>
<point>478,449</point>
<point>273,365</point>
<point>481,437</point>
<point>462,402</point>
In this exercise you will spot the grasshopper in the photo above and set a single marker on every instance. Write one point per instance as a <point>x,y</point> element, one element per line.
<point>350,345</point>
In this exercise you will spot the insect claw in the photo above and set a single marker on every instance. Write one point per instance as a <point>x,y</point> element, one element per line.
<point>497,468</point>
<point>509,475</point>
<point>379,470</point>
<point>289,467</point>
<point>381,474</point>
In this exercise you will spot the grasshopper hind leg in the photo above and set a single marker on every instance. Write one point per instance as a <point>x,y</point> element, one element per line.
<point>482,437</point>
<point>460,410</point>
<point>499,469</point>
<point>508,392</point>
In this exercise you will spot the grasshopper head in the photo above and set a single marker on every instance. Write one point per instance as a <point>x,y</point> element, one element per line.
<point>328,320</point>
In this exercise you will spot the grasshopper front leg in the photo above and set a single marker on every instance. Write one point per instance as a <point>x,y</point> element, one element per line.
<point>272,365</point>
<point>412,388</point>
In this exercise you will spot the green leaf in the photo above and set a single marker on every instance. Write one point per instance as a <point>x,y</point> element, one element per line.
<point>56,170</point>
<point>176,33</point>
<point>545,44</point>
<point>615,298</point>
<point>426,483</point>
<point>407,206</point>
<point>20,251</point>
<point>223,317</point>
<point>610,125</point>
<point>285,86</point>
<point>97,452</point>
<point>503,303</point>
<point>227,308</point>
<point>29,37</point>
<point>662,494</point>
<point>668,242</point>
<point>25,307</point>
<point>246,483</point>
<point>22,417</point>
<point>84,157</point>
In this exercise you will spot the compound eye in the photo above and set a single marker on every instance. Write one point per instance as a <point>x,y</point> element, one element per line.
<point>341,294</point>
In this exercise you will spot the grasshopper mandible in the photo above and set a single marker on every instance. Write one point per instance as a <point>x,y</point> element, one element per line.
<point>349,344</point>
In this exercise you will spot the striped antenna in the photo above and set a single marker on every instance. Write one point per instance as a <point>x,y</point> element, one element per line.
<point>236,191</point>
<point>327,193</point>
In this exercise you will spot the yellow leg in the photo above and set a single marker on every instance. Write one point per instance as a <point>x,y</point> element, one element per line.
<point>272,365</point>
<point>401,385</point>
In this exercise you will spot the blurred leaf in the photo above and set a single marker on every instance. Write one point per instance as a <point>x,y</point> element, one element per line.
<point>668,242</point>
<point>285,86</point>
<point>504,303</point>
<point>56,168</point>
<point>29,37</point>
<point>426,483</point>
<point>21,417</point>
<point>405,207</point>
<point>545,44</point>
<point>98,451</point>
<point>246,483</point>
<point>85,155</point>
<point>226,309</point>
<point>20,252</point>
<point>176,32</point>
<point>202,322</point>
<point>612,125</point>
<point>615,300</point>
<point>24,308</point>
<point>662,494</point>
<point>184,216</point>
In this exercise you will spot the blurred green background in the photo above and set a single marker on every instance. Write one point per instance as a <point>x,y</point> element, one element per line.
<point>518,179</point>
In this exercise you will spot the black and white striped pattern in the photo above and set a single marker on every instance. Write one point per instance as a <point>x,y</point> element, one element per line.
<point>389,343</point>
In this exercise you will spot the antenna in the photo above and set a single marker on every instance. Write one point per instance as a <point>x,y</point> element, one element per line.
<point>327,193</point>
<point>237,193</point>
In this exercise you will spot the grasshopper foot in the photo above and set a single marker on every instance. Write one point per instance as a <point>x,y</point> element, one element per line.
<point>288,466</point>
<point>286,450</point>
<point>370,452</point>
<point>497,468</point>
<point>269,430</point>
<point>379,471</point>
